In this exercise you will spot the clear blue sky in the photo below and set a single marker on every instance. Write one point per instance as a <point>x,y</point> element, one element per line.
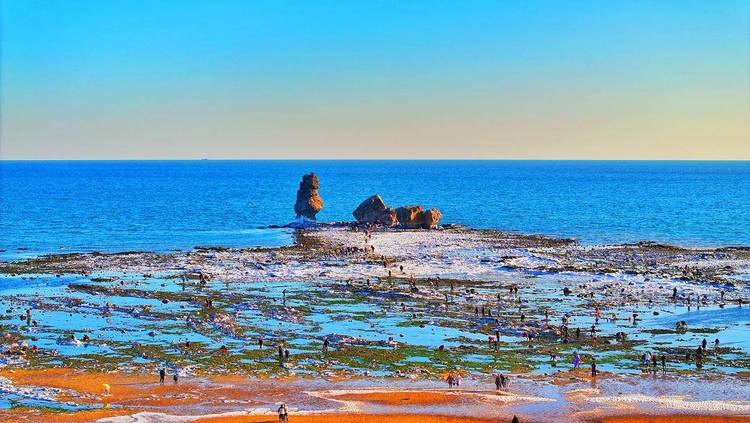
<point>378,79</point>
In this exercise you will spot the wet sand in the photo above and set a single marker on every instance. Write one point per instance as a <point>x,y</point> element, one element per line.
<point>233,398</point>
<point>353,418</point>
<point>673,419</point>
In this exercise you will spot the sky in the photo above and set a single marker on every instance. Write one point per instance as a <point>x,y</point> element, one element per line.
<point>379,79</point>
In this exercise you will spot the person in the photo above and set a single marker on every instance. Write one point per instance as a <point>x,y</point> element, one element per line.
<point>593,367</point>
<point>450,380</point>
<point>716,343</point>
<point>576,360</point>
<point>174,377</point>
<point>260,343</point>
<point>283,413</point>
<point>504,381</point>
<point>325,344</point>
<point>704,343</point>
<point>497,382</point>
<point>281,352</point>
<point>646,358</point>
<point>663,363</point>
<point>515,419</point>
<point>162,374</point>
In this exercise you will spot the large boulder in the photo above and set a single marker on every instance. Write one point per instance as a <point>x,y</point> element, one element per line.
<point>370,210</point>
<point>410,216</point>
<point>430,218</point>
<point>308,202</point>
<point>374,210</point>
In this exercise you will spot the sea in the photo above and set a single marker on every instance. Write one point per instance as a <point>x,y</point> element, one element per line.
<point>109,206</point>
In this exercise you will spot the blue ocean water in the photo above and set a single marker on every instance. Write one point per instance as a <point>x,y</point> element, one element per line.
<point>63,206</point>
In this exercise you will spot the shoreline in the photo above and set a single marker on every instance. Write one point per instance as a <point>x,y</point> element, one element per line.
<point>25,253</point>
<point>711,264</point>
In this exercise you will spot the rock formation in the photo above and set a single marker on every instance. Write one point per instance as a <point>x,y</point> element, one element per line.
<point>388,218</point>
<point>308,202</point>
<point>430,218</point>
<point>410,216</point>
<point>374,210</point>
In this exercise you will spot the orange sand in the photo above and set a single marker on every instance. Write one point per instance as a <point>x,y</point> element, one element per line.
<point>91,416</point>
<point>673,419</point>
<point>351,418</point>
<point>126,390</point>
<point>135,393</point>
<point>402,398</point>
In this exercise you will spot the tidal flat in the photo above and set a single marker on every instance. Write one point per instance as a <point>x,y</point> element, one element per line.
<point>372,322</point>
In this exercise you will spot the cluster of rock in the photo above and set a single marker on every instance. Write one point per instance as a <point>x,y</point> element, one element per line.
<point>308,202</point>
<point>374,210</point>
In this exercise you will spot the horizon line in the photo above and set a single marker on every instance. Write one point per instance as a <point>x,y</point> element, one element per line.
<point>370,159</point>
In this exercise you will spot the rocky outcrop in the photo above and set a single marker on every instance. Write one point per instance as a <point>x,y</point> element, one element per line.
<point>308,202</point>
<point>369,209</point>
<point>430,218</point>
<point>374,210</point>
<point>410,216</point>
